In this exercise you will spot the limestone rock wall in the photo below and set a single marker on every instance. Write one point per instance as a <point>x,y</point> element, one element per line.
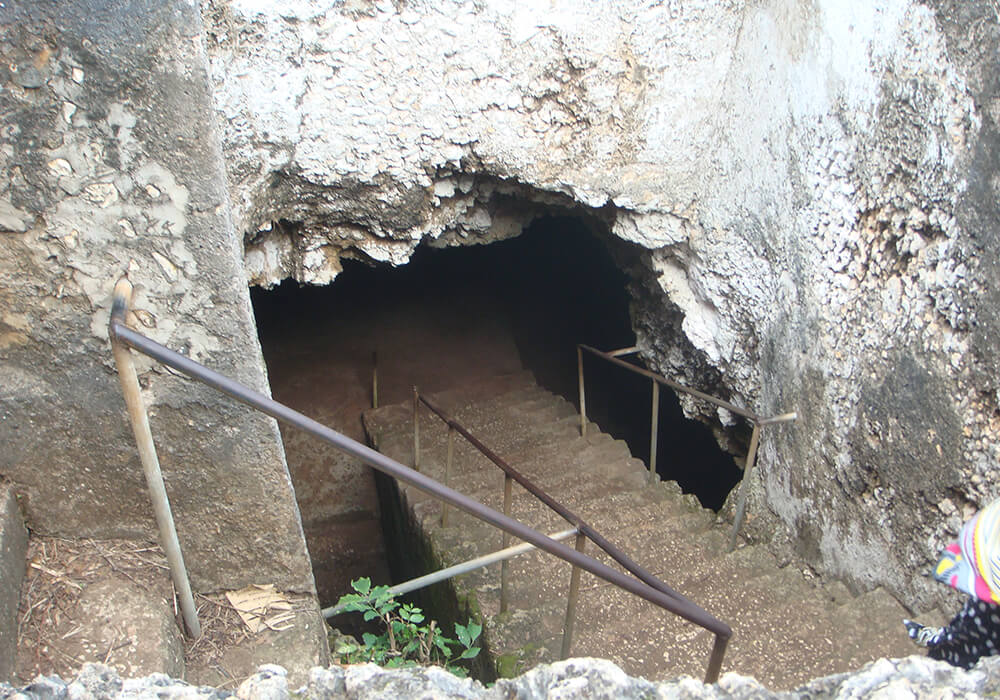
<point>912,677</point>
<point>813,183</point>
<point>110,164</point>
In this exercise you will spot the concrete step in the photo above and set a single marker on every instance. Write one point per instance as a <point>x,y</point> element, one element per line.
<point>472,393</point>
<point>788,626</point>
<point>103,601</point>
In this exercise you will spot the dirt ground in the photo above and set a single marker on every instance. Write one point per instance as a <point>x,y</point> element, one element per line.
<point>112,602</point>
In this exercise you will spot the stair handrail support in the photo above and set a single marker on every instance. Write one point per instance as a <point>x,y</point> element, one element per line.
<point>754,419</point>
<point>139,420</point>
<point>128,338</point>
<point>585,531</point>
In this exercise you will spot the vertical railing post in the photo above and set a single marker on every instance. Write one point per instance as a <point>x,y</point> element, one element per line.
<point>741,503</point>
<point>416,429</point>
<point>583,395</point>
<point>151,463</point>
<point>374,379</point>
<point>654,424</point>
<point>574,594</point>
<point>508,484</point>
<point>447,472</point>
<point>715,660</point>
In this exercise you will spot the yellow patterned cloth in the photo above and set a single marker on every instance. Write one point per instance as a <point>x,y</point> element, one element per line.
<point>972,563</point>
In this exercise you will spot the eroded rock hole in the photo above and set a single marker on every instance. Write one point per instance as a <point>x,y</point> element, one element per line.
<point>446,318</point>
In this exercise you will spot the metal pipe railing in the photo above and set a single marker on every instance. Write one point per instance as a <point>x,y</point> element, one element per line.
<point>512,474</point>
<point>151,463</point>
<point>415,584</point>
<point>593,535</point>
<point>613,358</point>
<point>681,607</point>
<point>571,598</point>
<point>756,420</point>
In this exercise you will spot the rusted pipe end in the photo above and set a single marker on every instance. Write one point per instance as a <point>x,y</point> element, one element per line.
<point>783,418</point>
<point>121,300</point>
<point>120,303</point>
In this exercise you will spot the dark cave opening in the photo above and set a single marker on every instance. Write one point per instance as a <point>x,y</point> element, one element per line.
<point>548,289</point>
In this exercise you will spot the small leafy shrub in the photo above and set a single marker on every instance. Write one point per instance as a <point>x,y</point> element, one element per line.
<point>407,638</point>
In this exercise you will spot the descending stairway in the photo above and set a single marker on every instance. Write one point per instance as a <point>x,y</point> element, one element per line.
<point>788,626</point>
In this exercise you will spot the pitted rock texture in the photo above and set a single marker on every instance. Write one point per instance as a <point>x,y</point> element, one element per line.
<point>104,174</point>
<point>811,187</point>
<point>586,679</point>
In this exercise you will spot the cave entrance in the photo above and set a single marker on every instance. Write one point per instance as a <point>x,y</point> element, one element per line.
<point>449,316</point>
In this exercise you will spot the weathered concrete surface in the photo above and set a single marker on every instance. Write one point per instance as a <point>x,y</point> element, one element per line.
<point>585,679</point>
<point>13,549</point>
<point>813,184</point>
<point>133,629</point>
<point>110,164</point>
<point>299,648</point>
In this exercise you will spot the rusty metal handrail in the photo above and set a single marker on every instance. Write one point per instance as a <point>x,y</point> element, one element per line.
<point>120,332</point>
<point>755,419</point>
<point>585,530</point>
<point>593,535</point>
<point>139,420</point>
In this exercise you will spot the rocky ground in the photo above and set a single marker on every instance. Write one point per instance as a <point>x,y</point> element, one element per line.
<point>112,601</point>
<point>913,677</point>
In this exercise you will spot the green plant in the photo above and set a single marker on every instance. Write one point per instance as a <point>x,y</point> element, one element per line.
<point>407,638</point>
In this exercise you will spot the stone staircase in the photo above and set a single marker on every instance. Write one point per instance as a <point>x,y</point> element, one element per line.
<point>789,627</point>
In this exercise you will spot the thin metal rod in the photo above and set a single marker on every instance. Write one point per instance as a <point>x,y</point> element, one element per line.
<point>374,379</point>
<point>677,605</point>
<point>624,351</point>
<point>583,395</point>
<point>741,503</point>
<point>715,660</point>
<point>731,407</point>
<point>457,570</point>
<point>654,425</point>
<point>571,600</point>
<point>416,429</point>
<point>447,472</point>
<point>508,490</point>
<point>783,418</point>
<point>151,463</point>
<point>571,517</point>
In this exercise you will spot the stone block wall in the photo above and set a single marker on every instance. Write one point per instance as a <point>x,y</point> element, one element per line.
<point>111,165</point>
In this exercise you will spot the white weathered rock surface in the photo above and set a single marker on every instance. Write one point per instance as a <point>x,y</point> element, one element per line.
<point>586,679</point>
<point>813,185</point>
<point>102,176</point>
<point>812,182</point>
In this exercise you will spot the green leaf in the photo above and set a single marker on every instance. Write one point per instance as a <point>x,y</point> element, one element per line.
<point>362,585</point>
<point>441,643</point>
<point>470,653</point>
<point>414,615</point>
<point>463,634</point>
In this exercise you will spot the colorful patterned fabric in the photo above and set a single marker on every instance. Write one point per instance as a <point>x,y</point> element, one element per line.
<point>972,564</point>
<point>972,634</point>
